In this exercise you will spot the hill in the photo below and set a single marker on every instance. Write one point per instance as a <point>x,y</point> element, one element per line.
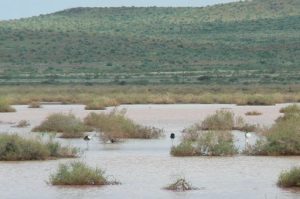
<point>237,43</point>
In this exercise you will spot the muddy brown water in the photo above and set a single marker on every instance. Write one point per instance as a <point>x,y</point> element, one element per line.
<point>144,166</point>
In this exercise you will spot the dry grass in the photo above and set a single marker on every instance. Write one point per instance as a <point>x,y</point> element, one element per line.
<point>101,96</point>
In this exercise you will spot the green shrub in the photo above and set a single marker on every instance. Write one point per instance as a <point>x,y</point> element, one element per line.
<point>68,125</point>
<point>221,120</point>
<point>290,109</point>
<point>185,148</point>
<point>14,147</point>
<point>216,143</point>
<point>114,126</point>
<point>290,178</point>
<point>180,185</point>
<point>283,138</point>
<point>5,106</point>
<point>78,173</point>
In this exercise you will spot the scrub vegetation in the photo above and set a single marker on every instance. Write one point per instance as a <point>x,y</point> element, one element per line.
<point>67,124</point>
<point>211,137</point>
<point>241,43</point>
<point>78,173</point>
<point>115,125</point>
<point>5,106</point>
<point>17,148</point>
<point>283,138</point>
<point>291,178</point>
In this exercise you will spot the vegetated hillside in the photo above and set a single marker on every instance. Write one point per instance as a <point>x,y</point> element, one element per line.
<point>237,43</point>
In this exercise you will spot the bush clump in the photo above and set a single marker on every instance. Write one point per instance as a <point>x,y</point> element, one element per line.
<point>68,125</point>
<point>212,137</point>
<point>16,148</point>
<point>216,143</point>
<point>294,108</point>
<point>290,178</point>
<point>180,185</point>
<point>114,126</point>
<point>207,143</point>
<point>78,173</point>
<point>5,106</point>
<point>221,120</point>
<point>185,148</point>
<point>283,138</point>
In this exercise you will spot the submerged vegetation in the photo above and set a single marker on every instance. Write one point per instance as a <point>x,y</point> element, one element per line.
<point>68,125</point>
<point>290,178</point>
<point>78,173</point>
<point>115,125</point>
<point>180,185</point>
<point>16,148</point>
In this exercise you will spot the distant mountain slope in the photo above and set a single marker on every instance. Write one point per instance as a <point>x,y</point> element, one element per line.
<point>247,42</point>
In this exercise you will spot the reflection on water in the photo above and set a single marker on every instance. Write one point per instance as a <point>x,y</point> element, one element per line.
<point>145,166</point>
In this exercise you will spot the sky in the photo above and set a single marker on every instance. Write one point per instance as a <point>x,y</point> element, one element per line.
<point>15,9</point>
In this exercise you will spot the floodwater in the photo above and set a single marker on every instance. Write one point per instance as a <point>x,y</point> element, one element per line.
<point>144,167</point>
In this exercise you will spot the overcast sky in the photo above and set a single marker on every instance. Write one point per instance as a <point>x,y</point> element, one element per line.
<point>14,9</point>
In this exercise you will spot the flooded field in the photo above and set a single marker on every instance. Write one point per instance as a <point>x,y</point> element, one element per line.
<point>144,167</point>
